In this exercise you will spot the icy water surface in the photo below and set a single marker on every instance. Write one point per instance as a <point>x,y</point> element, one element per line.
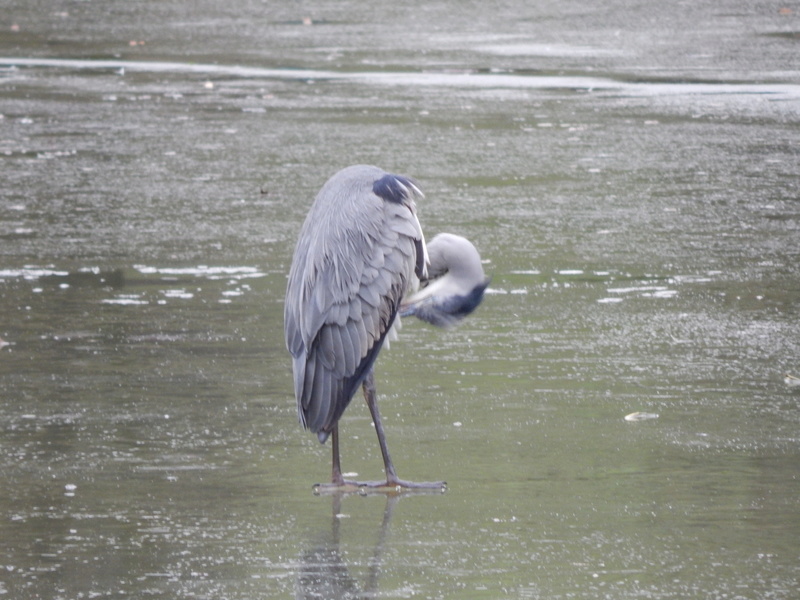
<point>630,174</point>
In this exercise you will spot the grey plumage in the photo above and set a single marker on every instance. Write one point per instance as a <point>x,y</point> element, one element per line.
<point>360,249</point>
<point>456,285</point>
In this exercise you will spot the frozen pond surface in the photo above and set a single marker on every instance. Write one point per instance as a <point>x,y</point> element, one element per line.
<point>629,171</point>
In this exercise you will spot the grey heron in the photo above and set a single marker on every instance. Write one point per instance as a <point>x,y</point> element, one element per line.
<point>360,250</point>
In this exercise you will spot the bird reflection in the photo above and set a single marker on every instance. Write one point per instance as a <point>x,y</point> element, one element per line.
<point>324,574</point>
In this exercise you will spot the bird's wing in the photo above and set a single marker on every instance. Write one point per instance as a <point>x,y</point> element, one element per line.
<point>346,293</point>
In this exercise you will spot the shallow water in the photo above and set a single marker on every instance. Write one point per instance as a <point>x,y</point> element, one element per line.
<point>629,173</point>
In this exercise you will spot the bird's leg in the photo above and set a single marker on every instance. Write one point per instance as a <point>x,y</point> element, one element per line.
<point>338,482</point>
<point>392,481</point>
<point>371,397</point>
<point>336,466</point>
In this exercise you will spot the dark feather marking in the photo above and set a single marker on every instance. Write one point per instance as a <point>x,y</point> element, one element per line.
<point>393,188</point>
<point>419,268</point>
<point>448,311</point>
<point>464,305</point>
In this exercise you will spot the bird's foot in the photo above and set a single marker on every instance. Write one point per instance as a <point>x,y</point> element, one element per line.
<point>400,486</point>
<point>393,486</point>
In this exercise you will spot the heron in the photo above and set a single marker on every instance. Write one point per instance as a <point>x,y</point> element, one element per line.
<point>360,251</point>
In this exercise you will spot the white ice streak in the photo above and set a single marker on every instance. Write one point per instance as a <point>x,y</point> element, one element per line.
<point>202,271</point>
<point>465,79</point>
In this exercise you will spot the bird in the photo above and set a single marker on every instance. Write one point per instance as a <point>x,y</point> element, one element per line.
<point>360,250</point>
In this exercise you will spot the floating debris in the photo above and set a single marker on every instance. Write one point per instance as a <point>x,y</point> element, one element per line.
<point>791,380</point>
<point>640,416</point>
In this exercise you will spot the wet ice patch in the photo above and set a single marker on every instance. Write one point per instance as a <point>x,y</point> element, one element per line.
<point>642,291</point>
<point>546,50</point>
<point>31,273</point>
<point>51,154</point>
<point>125,299</point>
<point>635,289</point>
<point>202,271</point>
<point>178,293</point>
<point>184,283</point>
<point>665,293</point>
